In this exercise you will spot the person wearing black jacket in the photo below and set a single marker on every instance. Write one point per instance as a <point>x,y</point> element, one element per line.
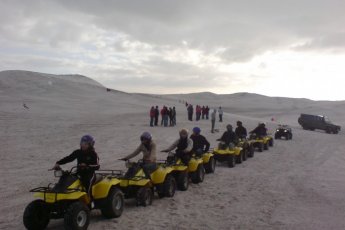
<point>200,143</point>
<point>240,131</point>
<point>260,130</point>
<point>87,162</point>
<point>228,139</point>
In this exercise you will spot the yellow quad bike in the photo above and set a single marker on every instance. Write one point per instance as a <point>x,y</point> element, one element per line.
<point>68,199</point>
<point>195,169</point>
<point>134,183</point>
<point>248,148</point>
<point>261,143</point>
<point>208,161</point>
<point>229,155</point>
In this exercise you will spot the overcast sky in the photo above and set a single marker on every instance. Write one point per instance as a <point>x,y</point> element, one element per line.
<point>293,48</point>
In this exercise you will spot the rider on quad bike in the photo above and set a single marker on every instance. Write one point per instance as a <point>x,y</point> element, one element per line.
<point>228,139</point>
<point>87,162</point>
<point>200,143</point>
<point>240,131</point>
<point>260,130</point>
<point>183,145</point>
<point>148,148</point>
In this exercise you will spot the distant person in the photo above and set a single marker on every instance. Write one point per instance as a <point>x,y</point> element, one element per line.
<point>200,143</point>
<point>170,116</point>
<point>198,112</point>
<point>260,130</point>
<point>87,162</point>
<point>213,120</point>
<point>25,106</point>
<point>190,111</point>
<point>165,116</point>
<point>220,113</point>
<point>203,112</point>
<point>156,115</point>
<point>183,146</point>
<point>228,139</point>
<point>174,116</point>
<point>241,131</point>
<point>162,115</point>
<point>207,112</point>
<point>152,116</point>
<point>148,148</point>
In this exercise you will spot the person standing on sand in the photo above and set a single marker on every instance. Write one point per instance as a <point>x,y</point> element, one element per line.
<point>174,116</point>
<point>190,112</point>
<point>213,120</point>
<point>220,112</point>
<point>207,111</point>
<point>152,116</point>
<point>203,112</point>
<point>156,115</point>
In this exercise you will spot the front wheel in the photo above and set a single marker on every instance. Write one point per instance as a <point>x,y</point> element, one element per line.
<point>36,215</point>
<point>199,174</point>
<point>144,196</point>
<point>168,187</point>
<point>271,142</point>
<point>232,161</point>
<point>210,166</point>
<point>239,158</point>
<point>113,204</point>
<point>266,146</point>
<point>183,181</point>
<point>77,216</point>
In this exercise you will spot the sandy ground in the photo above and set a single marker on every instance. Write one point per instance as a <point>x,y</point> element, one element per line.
<point>297,184</point>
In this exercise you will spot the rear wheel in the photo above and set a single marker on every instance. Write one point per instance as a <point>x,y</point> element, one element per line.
<point>239,158</point>
<point>210,166</point>
<point>199,174</point>
<point>260,147</point>
<point>144,196</point>
<point>36,215</point>
<point>77,216</point>
<point>168,187</point>
<point>251,151</point>
<point>266,146</point>
<point>271,142</point>
<point>182,181</point>
<point>245,154</point>
<point>113,204</point>
<point>232,161</point>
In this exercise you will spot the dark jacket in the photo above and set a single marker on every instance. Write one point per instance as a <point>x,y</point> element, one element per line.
<point>241,132</point>
<point>200,142</point>
<point>260,131</point>
<point>90,158</point>
<point>228,137</point>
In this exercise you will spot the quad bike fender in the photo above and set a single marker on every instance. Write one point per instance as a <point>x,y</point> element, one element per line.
<point>102,188</point>
<point>206,157</point>
<point>134,182</point>
<point>194,163</point>
<point>223,151</point>
<point>238,150</point>
<point>52,197</point>
<point>160,174</point>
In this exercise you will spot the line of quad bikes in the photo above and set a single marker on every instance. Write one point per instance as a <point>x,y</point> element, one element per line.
<point>68,199</point>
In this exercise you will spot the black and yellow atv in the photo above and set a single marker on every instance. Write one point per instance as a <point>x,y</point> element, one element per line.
<point>248,148</point>
<point>261,143</point>
<point>68,199</point>
<point>135,184</point>
<point>229,155</point>
<point>195,168</point>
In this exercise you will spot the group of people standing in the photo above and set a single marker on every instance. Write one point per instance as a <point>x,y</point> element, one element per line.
<point>201,112</point>
<point>168,116</point>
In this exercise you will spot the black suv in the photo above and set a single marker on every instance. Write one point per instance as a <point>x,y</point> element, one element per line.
<point>312,122</point>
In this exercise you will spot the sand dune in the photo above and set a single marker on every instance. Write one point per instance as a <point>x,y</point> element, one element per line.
<point>295,185</point>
